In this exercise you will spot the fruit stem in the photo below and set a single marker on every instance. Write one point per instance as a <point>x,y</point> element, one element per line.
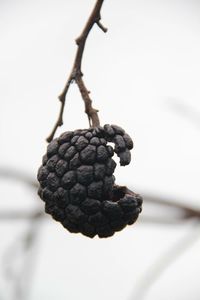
<point>76,74</point>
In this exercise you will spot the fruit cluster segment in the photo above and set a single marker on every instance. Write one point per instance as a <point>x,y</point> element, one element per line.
<point>77,182</point>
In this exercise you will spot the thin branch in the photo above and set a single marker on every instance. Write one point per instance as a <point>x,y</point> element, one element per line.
<point>188,212</point>
<point>21,215</point>
<point>76,73</point>
<point>11,173</point>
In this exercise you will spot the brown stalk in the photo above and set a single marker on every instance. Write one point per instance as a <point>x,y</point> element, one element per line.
<point>76,74</point>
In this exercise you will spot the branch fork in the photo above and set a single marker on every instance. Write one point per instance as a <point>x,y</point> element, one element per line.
<point>76,74</point>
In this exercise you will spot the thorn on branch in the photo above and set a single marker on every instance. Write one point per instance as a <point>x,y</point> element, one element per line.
<point>61,98</point>
<point>101,26</point>
<point>77,41</point>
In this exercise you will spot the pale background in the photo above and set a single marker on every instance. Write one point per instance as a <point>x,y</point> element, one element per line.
<point>144,76</point>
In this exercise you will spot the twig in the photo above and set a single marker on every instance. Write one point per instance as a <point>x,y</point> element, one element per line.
<point>15,174</point>
<point>187,211</point>
<point>89,110</point>
<point>76,73</point>
<point>21,215</point>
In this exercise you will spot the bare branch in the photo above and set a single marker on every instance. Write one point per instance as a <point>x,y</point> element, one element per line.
<point>21,215</point>
<point>15,174</point>
<point>76,73</point>
<point>187,211</point>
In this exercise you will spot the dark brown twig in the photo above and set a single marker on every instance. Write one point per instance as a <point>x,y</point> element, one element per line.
<point>76,73</point>
<point>89,110</point>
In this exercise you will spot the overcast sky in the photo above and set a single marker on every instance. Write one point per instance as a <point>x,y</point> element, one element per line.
<point>143,75</point>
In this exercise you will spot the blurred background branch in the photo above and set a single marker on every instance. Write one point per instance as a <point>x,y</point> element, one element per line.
<point>174,211</point>
<point>157,210</point>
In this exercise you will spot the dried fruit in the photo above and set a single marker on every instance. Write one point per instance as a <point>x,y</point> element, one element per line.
<point>77,183</point>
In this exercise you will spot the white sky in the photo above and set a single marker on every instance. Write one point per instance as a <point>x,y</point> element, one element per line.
<point>144,76</point>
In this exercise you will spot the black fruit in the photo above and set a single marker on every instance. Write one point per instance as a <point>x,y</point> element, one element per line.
<point>77,183</point>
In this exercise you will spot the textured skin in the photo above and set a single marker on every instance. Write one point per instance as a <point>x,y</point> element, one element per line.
<point>77,183</point>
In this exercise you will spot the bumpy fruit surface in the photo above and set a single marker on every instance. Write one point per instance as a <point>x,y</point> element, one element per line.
<point>77,183</point>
